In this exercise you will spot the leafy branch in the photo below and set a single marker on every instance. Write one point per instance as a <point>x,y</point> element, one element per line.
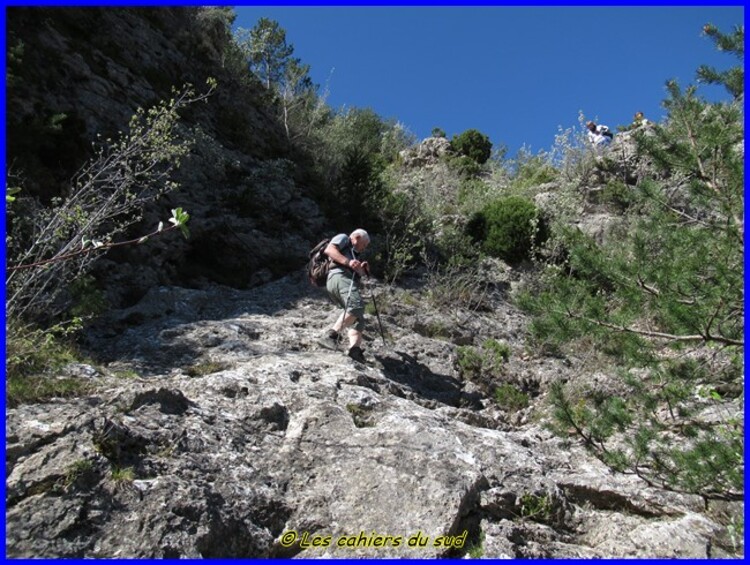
<point>178,220</point>
<point>49,247</point>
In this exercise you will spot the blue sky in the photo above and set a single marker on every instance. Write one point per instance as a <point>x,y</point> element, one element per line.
<point>514,73</point>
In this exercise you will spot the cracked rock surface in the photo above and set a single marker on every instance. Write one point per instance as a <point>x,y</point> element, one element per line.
<point>233,429</point>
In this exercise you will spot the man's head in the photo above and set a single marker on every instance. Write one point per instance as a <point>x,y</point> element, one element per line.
<point>360,240</point>
<point>591,126</point>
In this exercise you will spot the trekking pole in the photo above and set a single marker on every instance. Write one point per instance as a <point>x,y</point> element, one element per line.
<point>375,304</point>
<point>346,308</point>
<point>380,325</point>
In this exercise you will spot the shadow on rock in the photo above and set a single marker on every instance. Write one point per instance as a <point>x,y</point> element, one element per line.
<point>425,383</point>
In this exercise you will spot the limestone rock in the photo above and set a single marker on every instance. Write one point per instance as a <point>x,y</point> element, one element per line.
<point>428,152</point>
<point>240,432</point>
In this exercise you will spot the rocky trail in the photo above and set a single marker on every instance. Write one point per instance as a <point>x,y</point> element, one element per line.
<point>220,429</point>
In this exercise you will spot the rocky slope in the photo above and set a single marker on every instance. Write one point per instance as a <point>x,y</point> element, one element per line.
<point>220,429</point>
<point>217,427</point>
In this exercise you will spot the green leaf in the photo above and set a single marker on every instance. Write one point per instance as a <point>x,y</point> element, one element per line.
<point>10,193</point>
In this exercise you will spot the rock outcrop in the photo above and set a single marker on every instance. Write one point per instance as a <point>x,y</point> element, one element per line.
<point>427,153</point>
<point>91,69</point>
<point>220,429</point>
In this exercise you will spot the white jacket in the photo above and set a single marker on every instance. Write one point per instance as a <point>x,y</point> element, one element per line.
<point>597,136</point>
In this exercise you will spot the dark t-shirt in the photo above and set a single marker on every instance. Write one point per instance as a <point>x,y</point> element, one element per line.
<point>344,244</point>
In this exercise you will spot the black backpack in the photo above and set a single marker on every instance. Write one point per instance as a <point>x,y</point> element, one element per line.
<point>319,264</point>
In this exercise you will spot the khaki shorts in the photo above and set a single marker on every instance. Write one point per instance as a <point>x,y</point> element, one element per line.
<point>338,286</point>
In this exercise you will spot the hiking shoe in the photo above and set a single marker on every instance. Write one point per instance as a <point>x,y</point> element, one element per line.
<point>330,340</point>
<point>356,354</point>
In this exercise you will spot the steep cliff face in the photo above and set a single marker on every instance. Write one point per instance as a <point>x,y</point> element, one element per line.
<point>216,427</point>
<point>242,438</point>
<point>85,71</point>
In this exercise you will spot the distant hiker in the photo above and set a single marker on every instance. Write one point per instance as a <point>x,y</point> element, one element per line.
<point>639,120</point>
<point>342,287</point>
<point>599,135</point>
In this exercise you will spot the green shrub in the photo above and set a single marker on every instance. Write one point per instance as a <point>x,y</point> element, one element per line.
<point>469,361</point>
<point>498,352</point>
<point>532,170</point>
<point>473,144</point>
<point>88,300</point>
<point>476,549</point>
<point>434,329</point>
<point>508,228</point>
<point>483,364</point>
<point>403,229</point>
<point>469,191</point>
<point>465,167</point>
<point>454,247</point>
<point>536,507</point>
<point>122,476</point>
<point>510,398</point>
<point>34,389</point>
<point>32,351</point>
<point>77,470</point>
<point>618,194</point>
<point>31,354</point>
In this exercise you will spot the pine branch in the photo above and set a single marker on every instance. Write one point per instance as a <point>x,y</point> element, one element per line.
<point>659,335</point>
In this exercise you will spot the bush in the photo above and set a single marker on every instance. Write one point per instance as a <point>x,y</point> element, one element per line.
<point>510,398</point>
<point>469,361</point>
<point>30,350</point>
<point>457,285</point>
<point>453,247</point>
<point>484,365</point>
<point>618,194</point>
<point>498,352</point>
<point>403,228</point>
<point>532,170</point>
<point>508,228</point>
<point>465,167</point>
<point>473,144</point>
<point>470,191</point>
<point>31,355</point>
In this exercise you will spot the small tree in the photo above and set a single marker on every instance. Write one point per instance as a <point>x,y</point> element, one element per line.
<point>267,50</point>
<point>298,103</point>
<point>349,162</point>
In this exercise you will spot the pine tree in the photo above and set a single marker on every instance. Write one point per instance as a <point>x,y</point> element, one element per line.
<point>733,79</point>
<point>665,302</point>
<point>267,50</point>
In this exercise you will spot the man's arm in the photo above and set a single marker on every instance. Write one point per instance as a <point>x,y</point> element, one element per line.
<point>336,256</point>
<point>341,260</point>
